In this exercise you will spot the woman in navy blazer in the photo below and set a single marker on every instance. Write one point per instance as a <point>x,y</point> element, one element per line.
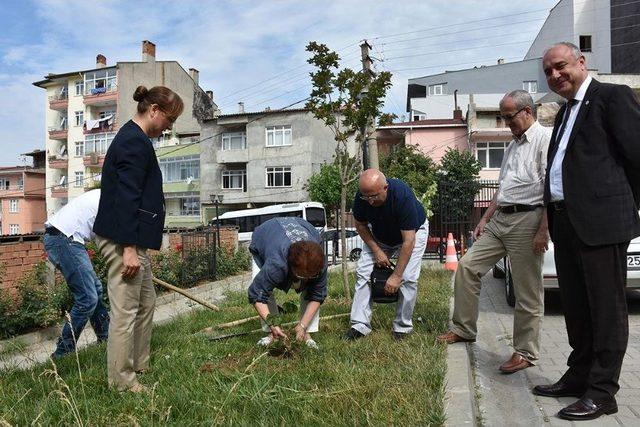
<point>130,220</point>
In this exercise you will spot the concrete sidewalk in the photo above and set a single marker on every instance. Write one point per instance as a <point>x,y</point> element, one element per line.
<point>497,399</point>
<point>36,347</point>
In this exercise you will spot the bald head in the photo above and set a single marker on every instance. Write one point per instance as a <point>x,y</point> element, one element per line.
<point>373,186</point>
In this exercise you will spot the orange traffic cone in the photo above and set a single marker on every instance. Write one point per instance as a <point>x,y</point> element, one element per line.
<point>451,261</point>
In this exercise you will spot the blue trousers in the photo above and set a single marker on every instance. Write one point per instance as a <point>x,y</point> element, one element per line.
<point>72,259</point>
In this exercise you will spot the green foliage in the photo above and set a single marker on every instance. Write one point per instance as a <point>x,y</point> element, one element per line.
<point>166,265</point>
<point>418,170</point>
<point>230,263</point>
<point>458,183</point>
<point>325,187</point>
<point>234,382</point>
<point>35,304</point>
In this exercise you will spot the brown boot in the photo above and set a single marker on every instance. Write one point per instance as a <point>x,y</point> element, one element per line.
<point>451,337</point>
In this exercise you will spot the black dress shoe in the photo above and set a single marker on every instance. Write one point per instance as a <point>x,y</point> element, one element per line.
<point>558,389</point>
<point>587,409</point>
<point>353,334</point>
<point>399,336</point>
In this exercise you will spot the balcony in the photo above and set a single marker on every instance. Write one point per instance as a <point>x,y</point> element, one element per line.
<point>100,127</point>
<point>60,192</point>
<point>232,156</point>
<point>58,133</point>
<point>93,160</point>
<point>58,163</point>
<point>59,101</point>
<point>101,96</point>
<point>13,192</point>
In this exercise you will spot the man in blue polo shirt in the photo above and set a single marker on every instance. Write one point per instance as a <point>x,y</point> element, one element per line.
<point>390,220</point>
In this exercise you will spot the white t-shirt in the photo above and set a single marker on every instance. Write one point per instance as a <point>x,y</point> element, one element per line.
<point>76,218</point>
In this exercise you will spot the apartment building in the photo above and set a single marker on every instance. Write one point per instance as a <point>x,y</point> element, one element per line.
<point>261,158</point>
<point>85,109</point>
<point>22,197</point>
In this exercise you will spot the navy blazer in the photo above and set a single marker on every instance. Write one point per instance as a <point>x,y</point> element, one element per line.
<point>601,166</point>
<point>131,210</point>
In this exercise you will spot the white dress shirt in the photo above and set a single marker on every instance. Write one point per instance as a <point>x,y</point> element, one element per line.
<point>555,173</point>
<point>76,218</point>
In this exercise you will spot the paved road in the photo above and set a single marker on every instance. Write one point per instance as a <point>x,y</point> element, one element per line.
<point>506,400</point>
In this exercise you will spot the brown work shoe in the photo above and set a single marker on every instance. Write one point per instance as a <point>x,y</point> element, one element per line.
<point>451,337</point>
<point>515,364</point>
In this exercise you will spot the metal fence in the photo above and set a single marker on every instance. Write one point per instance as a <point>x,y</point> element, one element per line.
<point>458,208</point>
<point>198,256</point>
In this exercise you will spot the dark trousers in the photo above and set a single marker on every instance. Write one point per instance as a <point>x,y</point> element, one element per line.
<point>592,283</point>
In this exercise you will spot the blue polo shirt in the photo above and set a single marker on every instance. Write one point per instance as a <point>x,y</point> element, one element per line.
<point>401,211</point>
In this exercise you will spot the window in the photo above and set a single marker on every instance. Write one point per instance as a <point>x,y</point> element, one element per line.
<point>14,228</point>
<point>530,86</point>
<point>21,183</point>
<point>436,89</point>
<point>79,182</point>
<point>107,113</point>
<point>277,136</point>
<point>79,148</point>
<point>180,169</point>
<point>4,184</point>
<point>419,117</point>
<point>490,154</point>
<point>79,118</point>
<point>98,142</point>
<point>79,87</point>
<point>316,217</point>
<point>190,206</point>
<point>13,205</point>
<point>585,43</point>
<point>234,180</point>
<point>234,141</point>
<point>100,81</point>
<point>279,176</point>
<point>63,123</point>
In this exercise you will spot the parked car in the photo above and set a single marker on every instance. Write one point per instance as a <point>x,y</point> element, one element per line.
<point>550,278</point>
<point>354,243</point>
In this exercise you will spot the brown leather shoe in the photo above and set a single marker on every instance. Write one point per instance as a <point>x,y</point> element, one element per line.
<point>451,337</point>
<point>515,364</point>
<point>588,409</point>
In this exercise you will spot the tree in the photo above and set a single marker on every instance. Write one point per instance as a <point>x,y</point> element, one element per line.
<point>324,187</point>
<point>458,185</point>
<point>418,170</point>
<point>346,101</point>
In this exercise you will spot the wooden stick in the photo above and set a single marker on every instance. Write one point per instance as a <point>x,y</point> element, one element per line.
<point>213,338</point>
<point>236,322</point>
<point>186,294</point>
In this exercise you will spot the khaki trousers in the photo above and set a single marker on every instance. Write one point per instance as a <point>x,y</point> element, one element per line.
<point>132,304</point>
<point>506,234</point>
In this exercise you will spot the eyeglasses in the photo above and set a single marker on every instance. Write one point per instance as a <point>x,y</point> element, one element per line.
<point>511,116</point>
<point>367,198</point>
<point>307,278</point>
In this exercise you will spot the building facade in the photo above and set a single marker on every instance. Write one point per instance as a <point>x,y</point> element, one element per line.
<point>259,159</point>
<point>86,108</point>
<point>22,197</point>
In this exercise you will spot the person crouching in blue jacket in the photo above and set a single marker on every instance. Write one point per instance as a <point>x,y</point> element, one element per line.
<point>287,254</point>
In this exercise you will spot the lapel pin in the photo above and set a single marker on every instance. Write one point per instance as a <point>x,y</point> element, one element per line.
<point>586,102</point>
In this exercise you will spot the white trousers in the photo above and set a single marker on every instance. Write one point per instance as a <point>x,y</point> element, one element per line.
<point>408,292</point>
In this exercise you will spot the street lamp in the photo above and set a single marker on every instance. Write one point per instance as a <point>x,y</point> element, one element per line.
<point>217,199</point>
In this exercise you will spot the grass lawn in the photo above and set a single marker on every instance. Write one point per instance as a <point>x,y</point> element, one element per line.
<point>373,381</point>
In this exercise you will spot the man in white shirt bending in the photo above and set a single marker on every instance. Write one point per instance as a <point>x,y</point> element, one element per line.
<point>64,240</point>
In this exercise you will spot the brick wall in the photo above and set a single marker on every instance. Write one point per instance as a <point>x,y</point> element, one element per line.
<point>228,238</point>
<point>18,255</point>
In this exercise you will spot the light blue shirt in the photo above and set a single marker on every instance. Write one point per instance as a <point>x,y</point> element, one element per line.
<point>555,173</point>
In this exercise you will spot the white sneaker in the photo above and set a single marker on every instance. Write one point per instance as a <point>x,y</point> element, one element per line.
<point>265,341</point>
<point>312,344</point>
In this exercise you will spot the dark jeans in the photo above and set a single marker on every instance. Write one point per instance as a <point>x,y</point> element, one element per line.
<point>592,283</point>
<point>72,259</point>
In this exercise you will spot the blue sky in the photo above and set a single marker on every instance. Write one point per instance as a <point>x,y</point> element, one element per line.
<point>239,44</point>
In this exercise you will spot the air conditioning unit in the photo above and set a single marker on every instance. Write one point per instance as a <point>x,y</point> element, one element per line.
<point>93,158</point>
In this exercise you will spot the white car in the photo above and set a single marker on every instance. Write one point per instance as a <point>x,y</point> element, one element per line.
<point>354,243</point>
<point>550,277</point>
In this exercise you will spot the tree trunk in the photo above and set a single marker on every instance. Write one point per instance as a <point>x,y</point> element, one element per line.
<point>343,238</point>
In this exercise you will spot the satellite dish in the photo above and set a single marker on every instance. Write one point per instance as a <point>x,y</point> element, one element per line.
<point>62,179</point>
<point>189,180</point>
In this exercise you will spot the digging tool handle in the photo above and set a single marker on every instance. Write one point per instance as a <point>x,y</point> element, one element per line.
<point>186,294</point>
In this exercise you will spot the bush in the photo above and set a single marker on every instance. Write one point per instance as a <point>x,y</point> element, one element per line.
<point>167,266</point>
<point>230,263</point>
<point>35,304</point>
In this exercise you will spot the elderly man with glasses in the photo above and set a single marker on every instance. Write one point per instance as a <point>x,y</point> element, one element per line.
<point>287,254</point>
<point>515,224</point>
<point>390,220</point>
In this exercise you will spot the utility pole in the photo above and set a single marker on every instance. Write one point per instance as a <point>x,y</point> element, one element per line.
<point>370,144</point>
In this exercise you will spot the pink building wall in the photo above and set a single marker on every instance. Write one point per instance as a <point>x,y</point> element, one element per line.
<point>434,141</point>
<point>32,212</point>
